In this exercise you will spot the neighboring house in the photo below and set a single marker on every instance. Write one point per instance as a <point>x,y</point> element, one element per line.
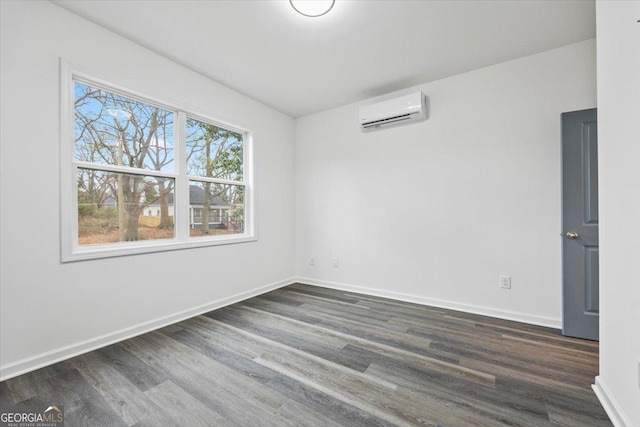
<point>218,209</point>
<point>110,202</point>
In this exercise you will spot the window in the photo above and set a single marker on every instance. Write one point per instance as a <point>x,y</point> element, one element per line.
<point>215,168</point>
<point>145,176</point>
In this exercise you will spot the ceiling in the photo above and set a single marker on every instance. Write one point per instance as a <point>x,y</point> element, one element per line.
<point>361,49</point>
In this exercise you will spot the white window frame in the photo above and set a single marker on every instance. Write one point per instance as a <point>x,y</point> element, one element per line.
<point>70,249</point>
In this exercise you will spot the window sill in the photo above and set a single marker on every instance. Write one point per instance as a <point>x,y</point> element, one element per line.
<point>89,252</point>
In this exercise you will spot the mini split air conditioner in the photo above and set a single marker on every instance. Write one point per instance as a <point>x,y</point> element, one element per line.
<point>393,112</point>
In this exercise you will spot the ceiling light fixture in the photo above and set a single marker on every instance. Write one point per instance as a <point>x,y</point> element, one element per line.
<point>312,8</point>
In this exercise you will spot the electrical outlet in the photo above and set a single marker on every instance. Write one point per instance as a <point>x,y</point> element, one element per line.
<point>312,260</point>
<point>334,262</point>
<point>505,282</point>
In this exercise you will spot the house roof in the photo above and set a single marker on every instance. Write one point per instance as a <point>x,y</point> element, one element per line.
<point>196,197</point>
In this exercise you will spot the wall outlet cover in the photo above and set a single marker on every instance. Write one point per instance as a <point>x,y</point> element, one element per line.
<point>505,282</point>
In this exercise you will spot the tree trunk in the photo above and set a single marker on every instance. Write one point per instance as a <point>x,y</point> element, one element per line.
<point>132,194</point>
<point>164,205</point>
<point>207,188</point>
<point>132,224</point>
<point>205,208</point>
<point>122,213</point>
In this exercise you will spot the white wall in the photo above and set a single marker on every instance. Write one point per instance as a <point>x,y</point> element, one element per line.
<point>618,34</point>
<point>435,212</point>
<point>49,310</point>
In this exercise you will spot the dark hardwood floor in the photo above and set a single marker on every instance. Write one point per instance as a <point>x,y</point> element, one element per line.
<point>308,356</point>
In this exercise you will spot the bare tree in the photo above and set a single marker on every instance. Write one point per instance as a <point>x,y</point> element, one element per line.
<point>93,185</point>
<point>116,130</point>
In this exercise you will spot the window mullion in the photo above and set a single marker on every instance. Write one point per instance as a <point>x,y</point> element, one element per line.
<point>182,181</point>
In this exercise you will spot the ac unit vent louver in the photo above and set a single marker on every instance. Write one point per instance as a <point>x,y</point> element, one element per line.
<point>393,112</point>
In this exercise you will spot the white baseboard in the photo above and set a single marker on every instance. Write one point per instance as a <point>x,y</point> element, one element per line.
<point>23,366</point>
<point>468,308</point>
<point>610,404</point>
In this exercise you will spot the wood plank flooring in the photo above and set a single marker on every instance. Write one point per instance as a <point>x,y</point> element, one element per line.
<point>309,356</point>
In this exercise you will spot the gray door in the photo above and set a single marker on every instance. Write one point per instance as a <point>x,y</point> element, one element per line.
<point>580,224</point>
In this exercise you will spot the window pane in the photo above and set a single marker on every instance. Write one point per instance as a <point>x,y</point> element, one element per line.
<point>215,208</point>
<point>213,151</point>
<point>117,207</point>
<point>115,130</point>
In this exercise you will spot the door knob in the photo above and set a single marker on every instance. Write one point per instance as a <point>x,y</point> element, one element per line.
<point>573,235</point>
